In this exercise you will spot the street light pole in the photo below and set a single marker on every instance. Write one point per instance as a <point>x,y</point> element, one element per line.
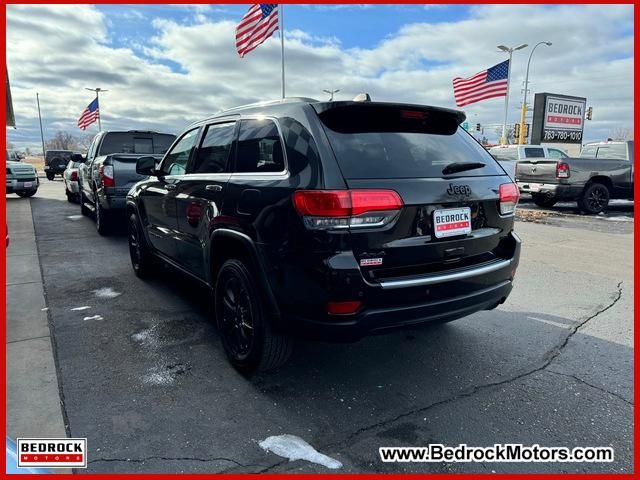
<point>503,139</point>
<point>331,92</point>
<point>97,91</point>
<point>523,137</point>
<point>40,118</point>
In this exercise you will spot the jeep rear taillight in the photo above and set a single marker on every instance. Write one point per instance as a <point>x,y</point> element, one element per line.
<point>341,209</point>
<point>562,170</point>
<point>106,175</point>
<point>74,176</point>
<point>509,196</point>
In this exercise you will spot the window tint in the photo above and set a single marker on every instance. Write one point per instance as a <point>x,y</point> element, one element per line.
<point>408,155</point>
<point>213,153</point>
<point>617,151</point>
<point>135,142</point>
<point>175,162</point>
<point>534,153</point>
<point>259,147</point>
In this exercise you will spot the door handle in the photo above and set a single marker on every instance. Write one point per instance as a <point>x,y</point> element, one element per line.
<point>213,188</point>
<point>170,186</point>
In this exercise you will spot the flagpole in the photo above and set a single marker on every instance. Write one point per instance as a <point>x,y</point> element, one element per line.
<point>281,28</point>
<point>503,139</point>
<point>98,90</point>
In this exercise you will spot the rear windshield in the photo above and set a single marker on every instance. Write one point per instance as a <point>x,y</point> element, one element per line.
<point>504,153</point>
<point>133,142</point>
<point>393,144</point>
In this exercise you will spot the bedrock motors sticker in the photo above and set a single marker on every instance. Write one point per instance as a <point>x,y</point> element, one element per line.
<point>52,452</point>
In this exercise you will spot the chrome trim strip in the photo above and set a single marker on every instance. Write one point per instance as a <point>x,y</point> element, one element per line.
<point>446,277</point>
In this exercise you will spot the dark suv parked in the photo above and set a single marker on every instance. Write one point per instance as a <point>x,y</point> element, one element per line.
<point>55,162</point>
<point>328,219</point>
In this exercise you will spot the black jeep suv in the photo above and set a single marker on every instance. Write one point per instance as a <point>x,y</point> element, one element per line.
<point>329,219</point>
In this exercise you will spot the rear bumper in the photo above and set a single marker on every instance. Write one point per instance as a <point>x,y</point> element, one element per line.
<point>110,201</point>
<point>557,190</point>
<point>401,303</point>
<point>14,186</point>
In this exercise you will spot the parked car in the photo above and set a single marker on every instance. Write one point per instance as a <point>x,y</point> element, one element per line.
<point>509,155</point>
<point>328,219</point>
<point>55,162</point>
<point>603,171</point>
<point>70,177</point>
<point>14,156</point>
<point>110,171</point>
<point>22,178</point>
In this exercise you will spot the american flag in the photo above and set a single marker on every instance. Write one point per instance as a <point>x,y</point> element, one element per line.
<point>256,26</point>
<point>89,115</point>
<point>486,84</point>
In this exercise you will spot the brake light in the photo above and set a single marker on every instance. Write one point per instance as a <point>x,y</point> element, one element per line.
<point>106,176</point>
<point>343,308</point>
<point>562,170</point>
<point>340,209</point>
<point>74,176</point>
<point>509,196</point>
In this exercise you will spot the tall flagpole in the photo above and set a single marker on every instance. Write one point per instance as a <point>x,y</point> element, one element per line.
<point>281,28</point>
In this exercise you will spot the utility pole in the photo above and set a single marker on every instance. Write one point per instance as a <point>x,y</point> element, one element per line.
<point>331,93</point>
<point>40,118</point>
<point>523,137</point>
<point>97,91</point>
<point>503,139</point>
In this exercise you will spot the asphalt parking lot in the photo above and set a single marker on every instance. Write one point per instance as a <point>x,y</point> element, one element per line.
<point>144,378</point>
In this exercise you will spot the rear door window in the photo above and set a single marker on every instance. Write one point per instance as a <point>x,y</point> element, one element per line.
<point>391,142</point>
<point>259,147</point>
<point>534,152</point>
<point>213,154</point>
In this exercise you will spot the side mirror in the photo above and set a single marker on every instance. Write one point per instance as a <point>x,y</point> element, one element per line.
<point>146,166</point>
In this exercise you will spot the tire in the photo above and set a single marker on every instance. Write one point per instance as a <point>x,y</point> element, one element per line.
<point>542,200</point>
<point>142,260</point>
<point>247,336</point>
<point>50,176</point>
<point>26,194</point>
<point>83,208</point>
<point>594,198</point>
<point>103,219</point>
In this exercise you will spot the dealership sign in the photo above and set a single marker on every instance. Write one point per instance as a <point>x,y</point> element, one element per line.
<point>558,118</point>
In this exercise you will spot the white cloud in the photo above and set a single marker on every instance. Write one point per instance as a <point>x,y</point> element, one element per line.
<point>58,50</point>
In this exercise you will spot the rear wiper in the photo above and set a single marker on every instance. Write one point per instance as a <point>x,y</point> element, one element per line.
<point>461,167</point>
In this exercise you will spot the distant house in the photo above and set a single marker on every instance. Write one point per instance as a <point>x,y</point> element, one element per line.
<point>11,120</point>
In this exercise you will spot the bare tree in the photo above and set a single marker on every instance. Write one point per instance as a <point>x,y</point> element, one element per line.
<point>62,141</point>
<point>10,146</point>
<point>621,133</point>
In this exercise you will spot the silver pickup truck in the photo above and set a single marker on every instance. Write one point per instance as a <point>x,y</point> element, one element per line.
<point>602,172</point>
<point>110,171</point>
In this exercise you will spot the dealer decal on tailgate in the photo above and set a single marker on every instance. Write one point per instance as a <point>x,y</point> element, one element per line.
<point>451,222</point>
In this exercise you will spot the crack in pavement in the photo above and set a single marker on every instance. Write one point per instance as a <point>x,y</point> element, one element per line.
<point>580,380</point>
<point>547,359</point>
<point>157,457</point>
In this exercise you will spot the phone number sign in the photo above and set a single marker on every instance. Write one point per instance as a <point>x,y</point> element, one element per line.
<point>558,118</point>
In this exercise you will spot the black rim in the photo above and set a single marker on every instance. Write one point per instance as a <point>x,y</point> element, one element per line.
<point>236,317</point>
<point>134,246</point>
<point>597,198</point>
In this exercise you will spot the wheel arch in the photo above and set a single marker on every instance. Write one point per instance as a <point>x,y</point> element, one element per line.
<point>603,179</point>
<point>233,244</point>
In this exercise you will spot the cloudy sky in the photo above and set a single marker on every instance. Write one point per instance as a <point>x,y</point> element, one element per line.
<point>168,65</point>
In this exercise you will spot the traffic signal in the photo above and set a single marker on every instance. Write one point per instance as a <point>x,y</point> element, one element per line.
<point>590,113</point>
<point>477,127</point>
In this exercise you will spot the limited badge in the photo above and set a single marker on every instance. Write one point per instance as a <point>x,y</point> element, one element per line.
<point>370,262</point>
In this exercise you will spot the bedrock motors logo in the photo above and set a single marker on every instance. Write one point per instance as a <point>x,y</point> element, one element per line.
<point>52,452</point>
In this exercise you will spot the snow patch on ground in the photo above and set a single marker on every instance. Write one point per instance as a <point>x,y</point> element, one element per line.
<point>78,309</point>
<point>95,317</point>
<point>44,309</point>
<point>158,376</point>
<point>74,217</point>
<point>295,448</point>
<point>148,337</point>
<point>618,219</point>
<point>106,292</point>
